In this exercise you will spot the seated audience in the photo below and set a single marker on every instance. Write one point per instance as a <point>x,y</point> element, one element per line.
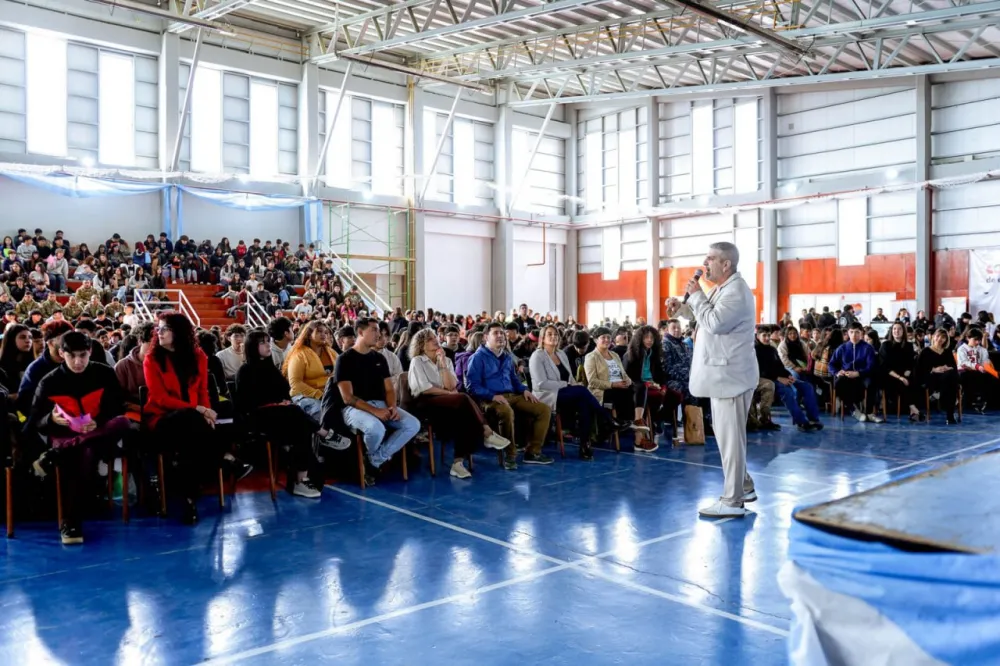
<point>384,337</point>
<point>362,376</point>
<point>234,355</point>
<point>937,372</point>
<point>79,407</point>
<point>853,367</point>
<point>577,351</point>
<point>434,387</point>
<point>309,364</point>
<point>178,410</point>
<point>462,359</point>
<point>344,338</point>
<point>48,361</point>
<point>608,381</point>
<point>786,386</point>
<point>491,378</point>
<point>129,369</point>
<point>794,354</point>
<point>262,398</point>
<point>897,362</point>
<point>16,355</point>
<point>554,384</point>
<point>973,360</point>
<point>279,330</point>
<point>644,366</point>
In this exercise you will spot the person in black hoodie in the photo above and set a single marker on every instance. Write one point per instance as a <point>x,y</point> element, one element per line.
<point>788,389</point>
<point>262,398</point>
<point>80,407</point>
<point>897,360</point>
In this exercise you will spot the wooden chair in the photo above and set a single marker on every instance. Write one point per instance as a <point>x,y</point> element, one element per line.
<point>359,443</point>
<point>899,405</point>
<point>405,400</point>
<point>559,435</point>
<point>927,403</point>
<point>618,444</point>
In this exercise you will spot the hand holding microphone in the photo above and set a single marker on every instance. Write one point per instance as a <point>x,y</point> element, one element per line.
<point>693,285</point>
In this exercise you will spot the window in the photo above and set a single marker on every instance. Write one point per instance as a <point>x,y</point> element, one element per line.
<point>747,145</point>
<point>46,95</point>
<point>594,165</point>
<point>263,128</point>
<point>116,143</point>
<point>385,178</point>
<point>702,149</point>
<point>852,231</point>
<point>611,252</point>
<point>465,161</point>
<point>206,121</point>
<point>338,154</point>
<point>627,167</point>
<point>616,311</point>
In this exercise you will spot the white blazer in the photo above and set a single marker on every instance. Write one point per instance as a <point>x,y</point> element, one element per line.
<point>724,363</point>
<point>545,380</point>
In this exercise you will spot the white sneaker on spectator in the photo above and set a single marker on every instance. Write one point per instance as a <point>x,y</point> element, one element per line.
<point>459,472</point>
<point>303,489</point>
<point>859,415</point>
<point>495,441</point>
<point>875,418</point>
<point>720,510</point>
<point>335,441</point>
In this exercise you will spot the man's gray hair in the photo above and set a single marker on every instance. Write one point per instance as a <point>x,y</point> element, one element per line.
<point>729,252</point>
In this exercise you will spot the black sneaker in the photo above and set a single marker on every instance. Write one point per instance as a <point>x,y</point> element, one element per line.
<point>537,459</point>
<point>815,425</point>
<point>586,452</point>
<point>510,464</point>
<point>71,535</point>
<point>951,420</point>
<point>236,468</point>
<point>770,425</point>
<point>803,427</point>
<point>189,514</point>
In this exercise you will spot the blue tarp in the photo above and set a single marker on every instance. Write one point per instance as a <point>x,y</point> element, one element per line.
<point>947,604</point>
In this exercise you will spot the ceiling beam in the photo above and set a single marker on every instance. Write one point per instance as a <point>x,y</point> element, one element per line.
<point>738,23</point>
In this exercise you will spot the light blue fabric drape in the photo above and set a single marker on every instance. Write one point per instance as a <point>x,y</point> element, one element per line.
<point>313,214</point>
<point>312,208</point>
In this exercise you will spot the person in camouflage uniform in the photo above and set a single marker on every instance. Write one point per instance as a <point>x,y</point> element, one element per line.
<point>25,306</point>
<point>85,292</point>
<point>72,309</point>
<point>50,305</point>
<point>114,308</point>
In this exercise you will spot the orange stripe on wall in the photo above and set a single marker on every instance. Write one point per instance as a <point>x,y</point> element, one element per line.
<point>880,273</point>
<point>630,286</point>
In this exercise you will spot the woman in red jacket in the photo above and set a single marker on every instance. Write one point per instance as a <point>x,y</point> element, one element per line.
<point>178,409</point>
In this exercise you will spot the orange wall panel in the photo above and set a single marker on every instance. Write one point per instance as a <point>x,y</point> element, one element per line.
<point>950,278</point>
<point>630,286</point>
<point>880,273</point>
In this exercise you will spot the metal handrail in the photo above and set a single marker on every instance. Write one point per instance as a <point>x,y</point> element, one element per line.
<point>181,305</point>
<point>376,304</point>
<point>142,308</point>
<point>257,316</point>
<point>192,314</point>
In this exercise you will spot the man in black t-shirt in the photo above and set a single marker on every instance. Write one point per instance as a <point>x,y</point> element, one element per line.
<point>362,375</point>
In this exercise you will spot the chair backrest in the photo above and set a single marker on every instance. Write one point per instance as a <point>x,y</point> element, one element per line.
<point>403,396</point>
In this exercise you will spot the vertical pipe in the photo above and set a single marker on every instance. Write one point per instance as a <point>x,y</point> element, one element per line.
<point>186,107</point>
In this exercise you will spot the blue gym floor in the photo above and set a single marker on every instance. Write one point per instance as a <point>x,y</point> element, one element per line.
<point>577,563</point>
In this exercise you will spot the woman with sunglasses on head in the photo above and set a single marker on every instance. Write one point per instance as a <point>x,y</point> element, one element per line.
<point>179,411</point>
<point>263,398</point>
<point>309,365</point>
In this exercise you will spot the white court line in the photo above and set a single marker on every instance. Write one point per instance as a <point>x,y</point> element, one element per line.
<point>561,565</point>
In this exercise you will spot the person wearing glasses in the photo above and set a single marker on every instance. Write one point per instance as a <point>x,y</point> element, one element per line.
<point>179,411</point>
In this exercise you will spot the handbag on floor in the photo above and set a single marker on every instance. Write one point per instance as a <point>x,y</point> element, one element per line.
<point>694,425</point>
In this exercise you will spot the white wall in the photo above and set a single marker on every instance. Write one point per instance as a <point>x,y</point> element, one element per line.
<point>88,221</point>
<point>458,266</point>
<point>204,219</point>
<point>542,288</point>
<point>829,134</point>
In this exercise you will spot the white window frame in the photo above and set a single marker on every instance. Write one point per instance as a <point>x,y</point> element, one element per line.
<point>46,93</point>
<point>206,121</point>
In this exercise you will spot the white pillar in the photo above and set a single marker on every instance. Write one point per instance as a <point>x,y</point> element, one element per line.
<point>652,199</point>
<point>769,218</point>
<point>169,97</point>
<point>309,129</point>
<point>570,270</point>
<point>502,145</point>
<point>414,157</point>
<point>924,256</point>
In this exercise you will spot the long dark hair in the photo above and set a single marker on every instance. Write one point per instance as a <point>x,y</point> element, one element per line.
<point>184,356</point>
<point>9,354</point>
<point>637,350</point>
<point>250,349</point>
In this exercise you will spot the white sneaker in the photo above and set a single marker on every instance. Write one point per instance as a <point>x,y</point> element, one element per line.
<point>335,441</point>
<point>304,490</point>
<point>750,496</point>
<point>875,418</point>
<point>720,510</point>
<point>495,441</point>
<point>459,472</point>
<point>859,415</point>
<point>638,427</point>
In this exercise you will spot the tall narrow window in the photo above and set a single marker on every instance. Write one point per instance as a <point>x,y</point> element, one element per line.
<point>464,148</point>
<point>263,128</point>
<point>593,150</point>
<point>745,137</point>
<point>627,166</point>
<point>338,154</point>
<point>116,144</point>
<point>46,95</point>
<point>206,121</point>
<point>702,149</point>
<point>852,231</point>
<point>384,149</point>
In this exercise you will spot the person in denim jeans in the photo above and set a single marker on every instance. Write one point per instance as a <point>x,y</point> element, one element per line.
<point>362,376</point>
<point>788,389</point>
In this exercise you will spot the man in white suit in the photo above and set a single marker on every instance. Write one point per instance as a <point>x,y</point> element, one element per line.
<point>724,369</point>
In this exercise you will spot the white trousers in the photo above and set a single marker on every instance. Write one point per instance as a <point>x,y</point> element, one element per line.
<point>729,420</point>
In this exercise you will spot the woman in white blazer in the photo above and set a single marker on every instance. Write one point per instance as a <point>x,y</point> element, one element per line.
<point>552,382</point>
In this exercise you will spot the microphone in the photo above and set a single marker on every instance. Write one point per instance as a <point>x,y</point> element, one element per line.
<point>697,276</point>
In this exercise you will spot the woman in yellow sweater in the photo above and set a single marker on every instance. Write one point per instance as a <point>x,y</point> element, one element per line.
<point>308,365</point>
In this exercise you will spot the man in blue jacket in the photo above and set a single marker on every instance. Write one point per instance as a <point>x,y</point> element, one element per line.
<point>491,379</point>
<point>853,368</point>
